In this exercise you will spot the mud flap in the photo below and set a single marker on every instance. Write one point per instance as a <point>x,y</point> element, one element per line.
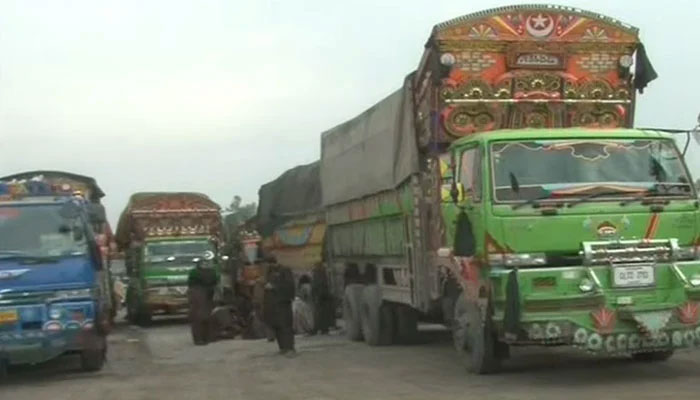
<point>511,318</point>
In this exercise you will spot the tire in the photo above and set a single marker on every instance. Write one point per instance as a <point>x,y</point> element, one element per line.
<point>406,324</point>
<point>655,356</point>
<point>448,310</point>
<point>144,318</point>
<point>92,360</point>
<point>352,303</point>
<point>4,366</point>
<point>131,308</point>
<point>377,317</point>
<point>473,339</point>
<point>136,314</point>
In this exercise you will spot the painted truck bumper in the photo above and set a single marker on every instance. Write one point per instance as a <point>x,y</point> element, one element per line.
<point>582,306</point>
<point>167,298</point>
<point>42,332</point>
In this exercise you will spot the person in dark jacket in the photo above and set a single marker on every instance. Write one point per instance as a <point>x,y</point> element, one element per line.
<point>279,294</point>
<point>324,313</point>
<point>201,284</point>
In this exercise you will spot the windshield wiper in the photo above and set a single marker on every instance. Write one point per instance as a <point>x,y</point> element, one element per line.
<point>654,191</point>
<point>24,257</point>
<point>534,202</point>
<point>5,254</point>
<point>38,259</point>
<point>593,196</point>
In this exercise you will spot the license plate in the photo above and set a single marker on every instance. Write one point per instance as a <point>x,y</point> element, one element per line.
<point>634,276</point>
<point>7,317</point>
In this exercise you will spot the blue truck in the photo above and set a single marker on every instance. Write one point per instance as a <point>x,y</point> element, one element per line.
<point>55,296</point>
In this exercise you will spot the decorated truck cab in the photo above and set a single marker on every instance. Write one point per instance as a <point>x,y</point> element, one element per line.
<point>53,294</point>
<point>161,235</point>
<point>502,191</point>
<point>572,236</point>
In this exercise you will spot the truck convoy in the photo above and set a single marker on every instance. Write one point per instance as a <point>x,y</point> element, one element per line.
<point>501,191</point>
<point>161,234</point>
<point>55,288</point>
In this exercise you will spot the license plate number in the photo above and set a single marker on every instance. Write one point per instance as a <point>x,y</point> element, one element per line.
<point>7,317</point>
<point>634,276</point>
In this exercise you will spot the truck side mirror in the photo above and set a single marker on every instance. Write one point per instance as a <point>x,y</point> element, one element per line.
<point>456,191</point>
<point>96,213</point>
<point>78,234</point>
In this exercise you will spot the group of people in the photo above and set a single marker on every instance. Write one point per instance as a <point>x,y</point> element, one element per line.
<point>280,301</point>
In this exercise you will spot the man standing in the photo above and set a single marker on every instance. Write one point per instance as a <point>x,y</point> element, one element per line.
<point>324,313</point>
<point>279,294</point>
<point>201,284</point>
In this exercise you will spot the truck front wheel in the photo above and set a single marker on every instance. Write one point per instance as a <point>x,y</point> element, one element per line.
<point>4,366</point>
<point>653,356</point>
<point>352,303</point>
<point>406,324</point>
<point>137,314</point>
<point>144,318</point>
<point>474,338</point>
<point>377,317</point>
<point>92,359</point>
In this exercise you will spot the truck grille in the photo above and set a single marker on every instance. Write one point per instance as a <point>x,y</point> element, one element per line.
<point>21,298</point>
<point>630,251</point>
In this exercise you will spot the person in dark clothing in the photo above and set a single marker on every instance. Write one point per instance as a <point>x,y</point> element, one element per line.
<point>201,283</point>
<point>279,294</point>
<point>324,313</point>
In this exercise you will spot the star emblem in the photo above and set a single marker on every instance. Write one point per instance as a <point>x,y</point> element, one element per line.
<point>540,21</point>
<point>540,25</point>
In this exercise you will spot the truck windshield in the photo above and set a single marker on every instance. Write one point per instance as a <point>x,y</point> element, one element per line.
<point>39,231</point>
<point>159,252</point>
<point>537,169</point>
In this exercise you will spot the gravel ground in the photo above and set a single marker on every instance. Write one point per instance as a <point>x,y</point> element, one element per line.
<point>161,363</point>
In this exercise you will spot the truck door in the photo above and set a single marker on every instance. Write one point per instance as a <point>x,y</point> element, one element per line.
<point>470,218</point>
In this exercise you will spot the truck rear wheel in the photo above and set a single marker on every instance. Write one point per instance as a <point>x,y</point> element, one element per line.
<point>474,338</point>
<point>406,324</point>
<point>352,303</point>
<point>377,317</point>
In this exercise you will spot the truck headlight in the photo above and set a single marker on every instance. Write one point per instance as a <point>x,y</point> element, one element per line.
<point>687,253</point>
<point>55,313</point>
<point>517,260</point>
<point>586,285</point>
<point>695,280</point>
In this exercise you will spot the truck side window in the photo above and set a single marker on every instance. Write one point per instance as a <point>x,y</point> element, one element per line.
<point>470,173</point>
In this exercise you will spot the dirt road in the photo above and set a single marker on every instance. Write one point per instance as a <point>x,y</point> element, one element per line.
<point>161,363</point>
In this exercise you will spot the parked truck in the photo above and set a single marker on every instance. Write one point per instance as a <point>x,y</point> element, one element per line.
<point>291,220</point>
<point>161,234</point>
<point>502,191</point>
<point>55,286</point>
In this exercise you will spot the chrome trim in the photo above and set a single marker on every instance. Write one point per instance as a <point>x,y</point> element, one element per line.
<point>595,279</point>
<point>537,101</point>
<point>677,271</point>
<point>629,251</point>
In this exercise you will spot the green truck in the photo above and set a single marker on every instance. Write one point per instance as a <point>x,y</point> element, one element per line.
<point>503,192</point>
<point>161,234</point>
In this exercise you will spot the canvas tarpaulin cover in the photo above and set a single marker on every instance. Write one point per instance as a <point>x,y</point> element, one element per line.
<point>373,152</point>
<point>294,193</point>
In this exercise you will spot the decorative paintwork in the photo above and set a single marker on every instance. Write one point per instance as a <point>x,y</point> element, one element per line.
<point>530,67</point>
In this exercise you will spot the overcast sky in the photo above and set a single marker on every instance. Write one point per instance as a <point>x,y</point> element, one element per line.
<point>222,96</point>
